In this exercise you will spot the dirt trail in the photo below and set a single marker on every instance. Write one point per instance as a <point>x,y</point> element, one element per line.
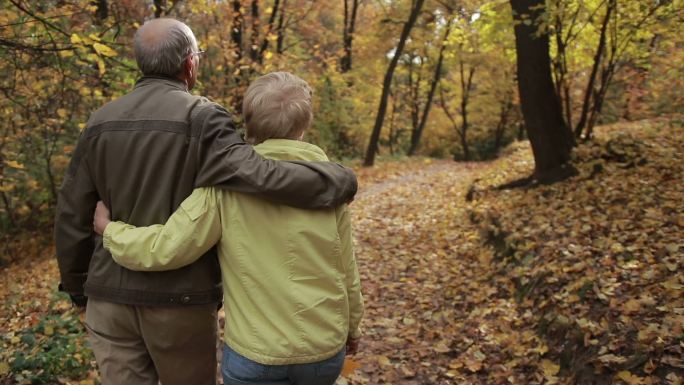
<point>409,230</point>
<point>416,177</point>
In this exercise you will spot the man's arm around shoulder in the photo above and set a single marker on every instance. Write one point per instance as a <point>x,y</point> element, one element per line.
<point>226,161</point>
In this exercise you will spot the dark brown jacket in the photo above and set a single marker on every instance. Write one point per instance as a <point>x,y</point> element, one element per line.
<point>143,154</point>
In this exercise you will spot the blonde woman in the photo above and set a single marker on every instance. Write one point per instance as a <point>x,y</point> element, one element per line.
<point>291,285</point>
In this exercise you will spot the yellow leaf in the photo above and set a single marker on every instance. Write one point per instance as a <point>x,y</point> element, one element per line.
<point>632,306</point>
<point>4,369</point>
<point>384,361</point>
<point>473,365</point>
<point>349,367</point>
<point>442,347</point>
<point>549,368</point>
<point>101,66</point>
<point>75,39</point>
<point>455,364</point>
<point>612,359</point>
<point>62,113</point>
<point>104,50</point>
<point>629,378</point>
<point>49,330</point>
<point>672,285</point>
<point>14,164</point>
<point>268,55</point>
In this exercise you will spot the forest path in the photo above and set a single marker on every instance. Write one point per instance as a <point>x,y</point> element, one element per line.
<point>409,228</point>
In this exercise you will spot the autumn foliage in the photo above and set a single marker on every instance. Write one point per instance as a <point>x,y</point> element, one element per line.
<point>452,94</point>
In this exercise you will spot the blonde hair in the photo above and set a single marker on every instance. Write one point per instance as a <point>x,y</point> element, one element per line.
<point>277,105</point>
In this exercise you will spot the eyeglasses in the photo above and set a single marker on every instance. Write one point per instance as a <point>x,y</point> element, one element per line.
<point>198,53</point>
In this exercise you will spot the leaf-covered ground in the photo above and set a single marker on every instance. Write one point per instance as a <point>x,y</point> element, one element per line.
<point>579,282</point>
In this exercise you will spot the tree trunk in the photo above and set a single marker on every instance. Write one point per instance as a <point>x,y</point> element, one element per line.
<point>414,91</point>
<point>102,10</point>
<point>280,40</point>
<point>462,131</point>
<point>521,131</point>
<point>159,6</point>
<point>392,136</point>
<point>416,134</point>
<point>506,107</point>
<point>466,87</point>
<point>348,35</point>
<point>382,108</point>
<point>269,31</point>
<point>560,62</point>
<point>254,36</point>
<point>236,29</point>
<point>594,70</point>
<point>606,77</point>
<point>551,139</point>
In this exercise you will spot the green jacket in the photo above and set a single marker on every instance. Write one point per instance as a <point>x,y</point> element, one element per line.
<point>291,284</point>
<point>143,154</point>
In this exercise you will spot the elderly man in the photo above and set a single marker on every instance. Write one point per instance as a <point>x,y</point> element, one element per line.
<point>143,154</point>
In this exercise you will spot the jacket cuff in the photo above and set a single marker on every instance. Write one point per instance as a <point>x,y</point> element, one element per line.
<point>78,300</point>
<point>111,228</point>
<point>352,188</point>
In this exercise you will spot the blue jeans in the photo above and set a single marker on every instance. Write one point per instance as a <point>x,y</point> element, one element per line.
<point>239,370</point>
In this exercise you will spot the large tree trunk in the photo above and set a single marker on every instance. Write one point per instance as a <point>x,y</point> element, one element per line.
<point>551,139</point>
<point>382,108</point>
<point>416,134</point>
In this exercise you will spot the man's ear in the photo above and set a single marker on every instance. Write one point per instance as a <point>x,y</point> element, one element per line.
<point>188,67</point>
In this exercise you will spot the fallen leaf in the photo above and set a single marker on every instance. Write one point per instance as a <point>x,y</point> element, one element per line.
<point>349,366</point>
<point>549,368</point>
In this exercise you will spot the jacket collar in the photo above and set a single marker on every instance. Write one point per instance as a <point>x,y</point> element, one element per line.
<point>157,79</point>
<point>288,149</point>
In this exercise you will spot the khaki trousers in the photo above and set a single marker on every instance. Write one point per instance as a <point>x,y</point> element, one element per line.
<point>145,345</point>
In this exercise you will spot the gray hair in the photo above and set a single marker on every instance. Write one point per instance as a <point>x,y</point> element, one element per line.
<point>277,105</point>
<point>161,45</point>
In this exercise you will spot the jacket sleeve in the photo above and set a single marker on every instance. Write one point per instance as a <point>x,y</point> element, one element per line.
<point>352,280</point>
<point>73,230</point>
<point>226,161</point>
<point>189,233</point>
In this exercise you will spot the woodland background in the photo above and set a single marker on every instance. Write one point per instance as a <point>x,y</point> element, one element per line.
<point>411,82</point>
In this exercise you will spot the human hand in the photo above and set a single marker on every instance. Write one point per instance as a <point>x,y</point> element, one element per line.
<point>101,218</point>
<point>80,312</point>
<point>352,345</point>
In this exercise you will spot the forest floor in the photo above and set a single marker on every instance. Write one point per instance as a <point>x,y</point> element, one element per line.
<point>579,282</point>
